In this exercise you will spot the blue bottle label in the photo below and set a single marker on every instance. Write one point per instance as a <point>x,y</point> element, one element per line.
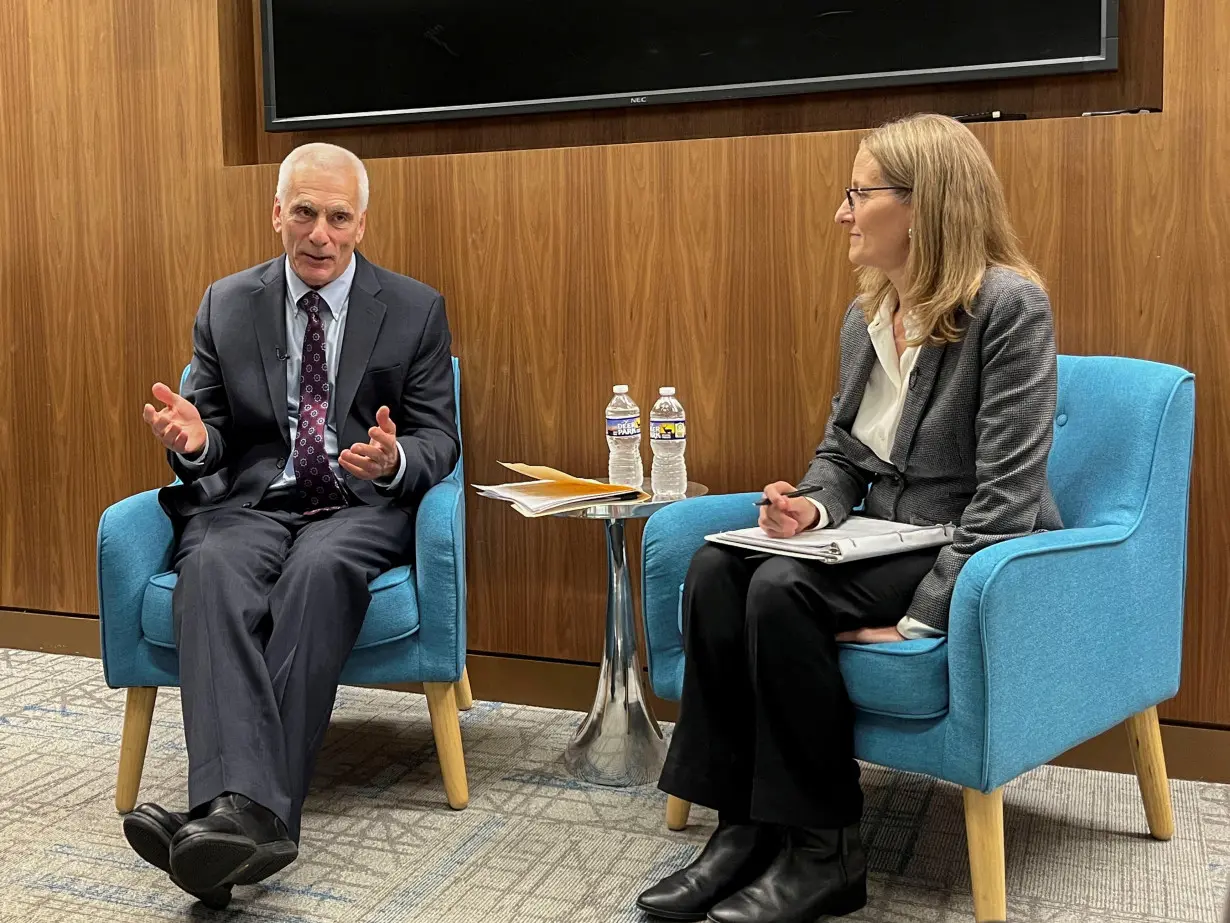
<point>668,429</point>
<point>623,426</point>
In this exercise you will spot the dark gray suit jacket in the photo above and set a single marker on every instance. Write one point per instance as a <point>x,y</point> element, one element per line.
<point>396,350</point>
<point>974,436</point>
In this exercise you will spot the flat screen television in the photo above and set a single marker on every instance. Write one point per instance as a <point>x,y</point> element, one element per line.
<point>330,63</point>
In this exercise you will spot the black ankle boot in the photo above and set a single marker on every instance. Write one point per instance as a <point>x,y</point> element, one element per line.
<point>734,856</point>
<point>818,873</point>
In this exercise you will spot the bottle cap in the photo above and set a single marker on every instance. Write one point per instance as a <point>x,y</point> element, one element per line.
<point>620,389</point>
<point>666,392</point>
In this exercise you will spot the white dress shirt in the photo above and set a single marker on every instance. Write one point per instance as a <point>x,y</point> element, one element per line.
<point>879,415</point>
<point>336,297</point>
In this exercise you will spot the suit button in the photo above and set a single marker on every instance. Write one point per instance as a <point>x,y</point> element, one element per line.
<point>247,505</point>
<point>281,462</point>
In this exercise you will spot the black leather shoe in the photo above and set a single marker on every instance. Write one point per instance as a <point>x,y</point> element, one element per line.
<point>213,898</point>
<point>734,856</point>
<point>238,842</point>
<point>149,829</point>
<point>819,873</point>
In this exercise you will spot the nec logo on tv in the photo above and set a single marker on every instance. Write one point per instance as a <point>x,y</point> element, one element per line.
<point>640,99</point>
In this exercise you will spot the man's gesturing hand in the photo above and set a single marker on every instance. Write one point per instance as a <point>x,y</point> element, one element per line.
<point>178,426</point>
<point>378,458</point>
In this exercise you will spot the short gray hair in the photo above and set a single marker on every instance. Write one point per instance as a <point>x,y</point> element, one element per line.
<point>326,156</point>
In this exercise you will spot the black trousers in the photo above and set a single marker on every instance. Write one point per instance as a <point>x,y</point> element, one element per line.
<point>267,607</point>
<point>766,729</point>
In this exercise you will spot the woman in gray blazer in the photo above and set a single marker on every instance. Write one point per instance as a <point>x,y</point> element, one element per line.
<point>943,414</point>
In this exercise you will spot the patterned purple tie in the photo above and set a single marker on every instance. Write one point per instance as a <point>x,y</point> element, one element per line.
<point>318,488</point>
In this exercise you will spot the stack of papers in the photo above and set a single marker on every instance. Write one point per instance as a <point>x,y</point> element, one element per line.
<point>858,537</point>
<point>552,492</point>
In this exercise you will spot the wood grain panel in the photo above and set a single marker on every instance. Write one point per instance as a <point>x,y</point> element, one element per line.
<point>1136,85</point>
<point>711,265</point>
<point>1198,226</point>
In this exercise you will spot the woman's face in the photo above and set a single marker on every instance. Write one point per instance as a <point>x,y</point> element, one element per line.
<point>879,222</point>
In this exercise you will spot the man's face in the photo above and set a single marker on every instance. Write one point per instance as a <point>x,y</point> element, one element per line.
<point>320,222</point>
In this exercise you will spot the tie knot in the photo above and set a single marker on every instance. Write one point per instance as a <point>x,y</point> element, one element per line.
<point>312,302</point>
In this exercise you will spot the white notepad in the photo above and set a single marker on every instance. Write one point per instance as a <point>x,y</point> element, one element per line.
<point>857,538</point>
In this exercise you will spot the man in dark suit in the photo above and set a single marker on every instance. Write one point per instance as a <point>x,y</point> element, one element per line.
<point>319,409</point>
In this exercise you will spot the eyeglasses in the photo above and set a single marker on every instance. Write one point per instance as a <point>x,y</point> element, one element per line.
<point>850,193</point>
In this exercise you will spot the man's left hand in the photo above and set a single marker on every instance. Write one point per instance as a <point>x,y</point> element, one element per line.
<point>871,635</point>
<point>377,458</point>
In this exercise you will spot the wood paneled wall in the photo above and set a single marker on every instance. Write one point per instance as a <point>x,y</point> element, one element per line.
<point>712,265</point>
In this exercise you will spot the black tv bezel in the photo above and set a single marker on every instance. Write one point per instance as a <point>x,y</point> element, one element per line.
<point>1107,61</point>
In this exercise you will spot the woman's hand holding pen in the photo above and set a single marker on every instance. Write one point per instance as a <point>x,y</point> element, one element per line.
<point>782,516</point>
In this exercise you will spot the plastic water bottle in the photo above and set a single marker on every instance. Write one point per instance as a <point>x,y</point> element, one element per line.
<point>623,439</point>
<point>668,437</point>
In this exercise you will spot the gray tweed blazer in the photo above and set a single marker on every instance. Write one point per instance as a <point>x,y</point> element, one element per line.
<point>974,436</point>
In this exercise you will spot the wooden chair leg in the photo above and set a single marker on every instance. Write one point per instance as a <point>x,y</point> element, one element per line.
<point>446,728</point>
<point>138,716</point>
<point>677,811</point>
<point>465,698</point>
<point>984,829</point>
<point>1145,739</point>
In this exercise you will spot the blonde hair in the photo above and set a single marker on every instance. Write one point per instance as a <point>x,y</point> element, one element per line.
<point>960,226</point>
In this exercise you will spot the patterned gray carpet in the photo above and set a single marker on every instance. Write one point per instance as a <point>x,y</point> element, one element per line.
<point>380,845</point>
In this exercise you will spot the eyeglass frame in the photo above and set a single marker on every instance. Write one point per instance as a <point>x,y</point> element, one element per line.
<point>850,190</point>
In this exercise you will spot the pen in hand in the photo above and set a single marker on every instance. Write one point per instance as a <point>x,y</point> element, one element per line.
<point>801,492</point>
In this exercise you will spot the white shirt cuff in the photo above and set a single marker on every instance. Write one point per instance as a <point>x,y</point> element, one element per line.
<point>199,461</point>
<point>912,630</point>
<point>824,514</point>
<point>401,472</point>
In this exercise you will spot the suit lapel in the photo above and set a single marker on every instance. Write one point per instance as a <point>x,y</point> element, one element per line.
<point>922,381</point>
<point>862,361</point>
<point>269,319</point>
<point>363,320</point>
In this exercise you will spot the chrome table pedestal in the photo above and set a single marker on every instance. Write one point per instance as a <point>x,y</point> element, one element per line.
<point>619,742</point>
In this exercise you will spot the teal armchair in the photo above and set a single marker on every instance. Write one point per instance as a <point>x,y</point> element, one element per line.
<point>1053,638</point>
<point>414,630</point>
